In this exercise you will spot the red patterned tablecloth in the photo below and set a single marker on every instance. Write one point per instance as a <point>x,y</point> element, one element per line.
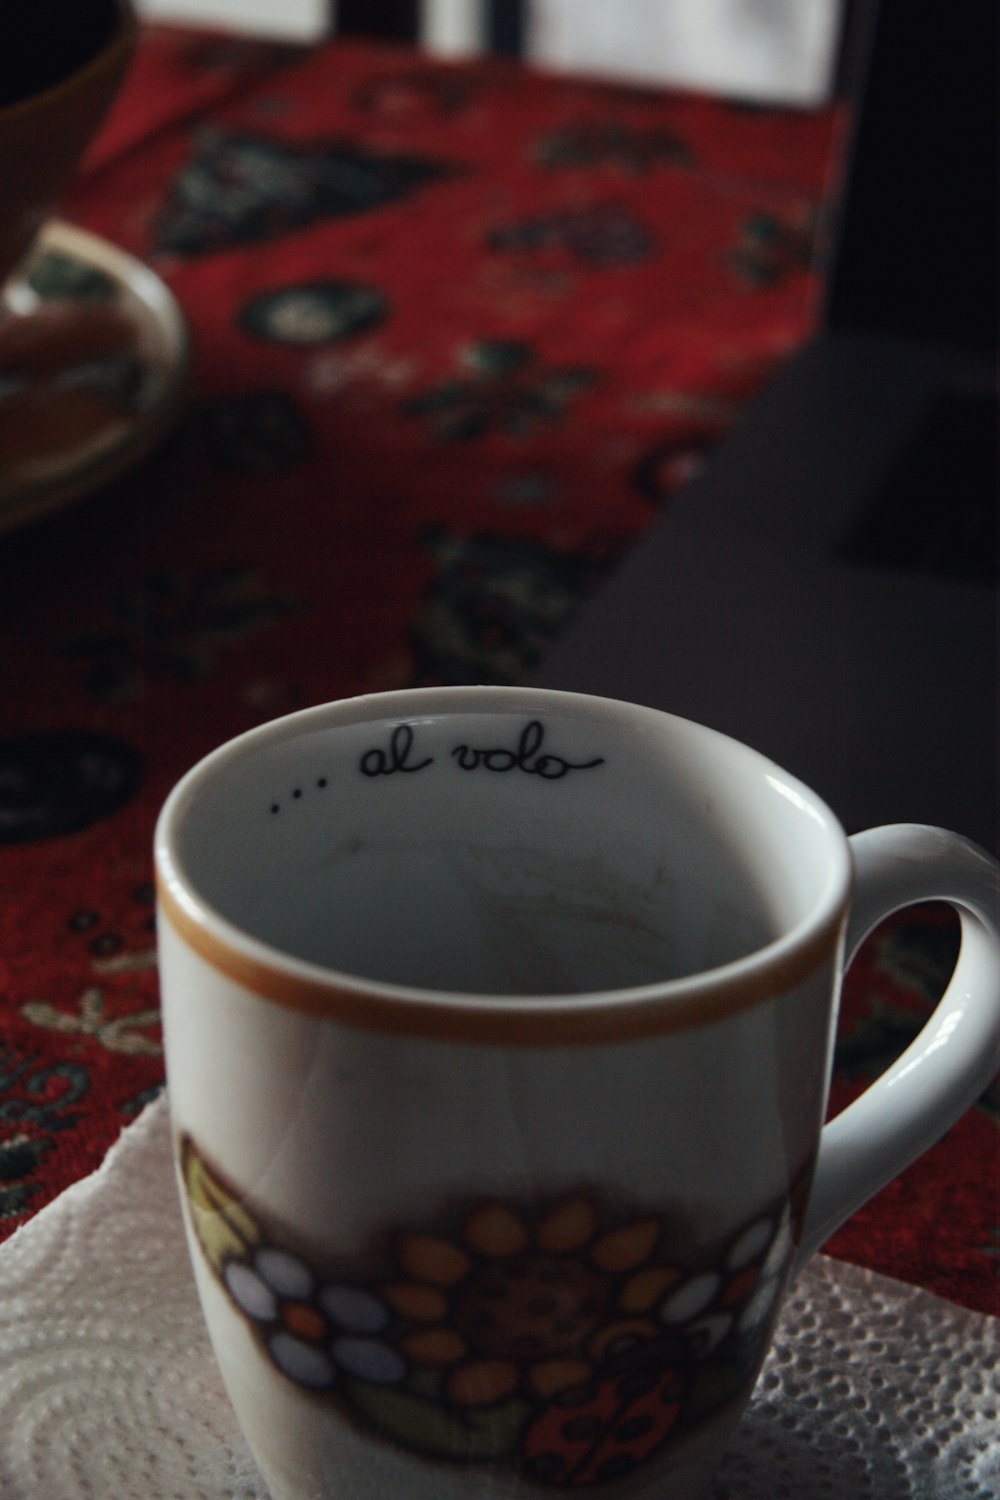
<point>459,332</point>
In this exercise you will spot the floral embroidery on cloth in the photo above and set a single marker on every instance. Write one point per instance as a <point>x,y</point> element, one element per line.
<point>558,1339</point>
<point>241,189</point>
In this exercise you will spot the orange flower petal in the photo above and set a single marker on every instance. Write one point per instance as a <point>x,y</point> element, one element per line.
<point>624,1249</point>
<point>568,1225</point>
<point>304,1321</point>
<point>426,1258</point>
<point>483,1382</point>
<point>435,1346</point>
<point>495,1230</point>
<point>632,1330</point>
<point>645,1289</point>
<point>426,1304</point>
<point>554,1375</point>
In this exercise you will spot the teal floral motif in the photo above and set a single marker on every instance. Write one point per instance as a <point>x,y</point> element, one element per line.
<point>134,1106</point>
<point>922,954</point>
<point>560,1340</point>
<point>241,189</point>
<point>496,603</point>
<point>40,1095</point>
<point>314,313</point>
<point>772,247</point>
<point>175,625</point>
<point>601,237</point>
<point>636,150</point>
<point>257,433</point>
<point>19,1159</point>
<point>504,390</point>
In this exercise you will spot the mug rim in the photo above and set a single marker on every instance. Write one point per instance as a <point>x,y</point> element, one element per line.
<point>119,44</point>
<point>510,1019</point>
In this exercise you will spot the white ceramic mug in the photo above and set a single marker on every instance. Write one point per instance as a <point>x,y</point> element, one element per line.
<point>498,1028</point>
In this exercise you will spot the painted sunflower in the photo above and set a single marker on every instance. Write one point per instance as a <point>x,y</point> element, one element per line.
<point>515,1304</point>
<point>556,1337</point>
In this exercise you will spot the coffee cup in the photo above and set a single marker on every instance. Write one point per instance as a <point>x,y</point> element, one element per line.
<point>498,1032</point>
<point>60,67</point>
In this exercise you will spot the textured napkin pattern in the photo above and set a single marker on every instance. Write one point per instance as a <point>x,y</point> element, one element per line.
<point>109,1390</point>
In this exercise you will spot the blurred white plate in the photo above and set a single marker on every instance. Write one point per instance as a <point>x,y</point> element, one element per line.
<point>92,374</point>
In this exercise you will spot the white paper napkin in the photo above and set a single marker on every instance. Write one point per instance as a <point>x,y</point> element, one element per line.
<point>872,1390</point>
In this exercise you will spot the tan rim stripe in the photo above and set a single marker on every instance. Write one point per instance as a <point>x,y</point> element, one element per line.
<point>535,1023</point>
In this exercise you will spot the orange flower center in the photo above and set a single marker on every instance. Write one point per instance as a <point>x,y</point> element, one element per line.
<point>530,1306</point>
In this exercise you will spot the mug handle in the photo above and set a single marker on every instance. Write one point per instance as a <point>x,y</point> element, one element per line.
<point>957,1053</point>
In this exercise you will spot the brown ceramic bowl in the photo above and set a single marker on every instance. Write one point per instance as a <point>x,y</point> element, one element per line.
<point>44,133</point>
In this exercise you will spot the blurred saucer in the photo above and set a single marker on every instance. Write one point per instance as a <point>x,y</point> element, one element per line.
<point>92,368</point>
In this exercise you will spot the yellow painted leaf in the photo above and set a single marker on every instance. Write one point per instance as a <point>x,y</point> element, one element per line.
<point>223,1227</point>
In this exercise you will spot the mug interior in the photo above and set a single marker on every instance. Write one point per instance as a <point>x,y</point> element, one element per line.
<point>501,844</point>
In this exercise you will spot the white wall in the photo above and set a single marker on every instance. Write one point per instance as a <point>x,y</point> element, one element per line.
<point>453,28</point>
<point>299,20</point>
<point>766,49</point>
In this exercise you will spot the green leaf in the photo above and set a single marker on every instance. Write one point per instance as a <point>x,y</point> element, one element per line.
<point>428,1427</point>
<point>497,358</point>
